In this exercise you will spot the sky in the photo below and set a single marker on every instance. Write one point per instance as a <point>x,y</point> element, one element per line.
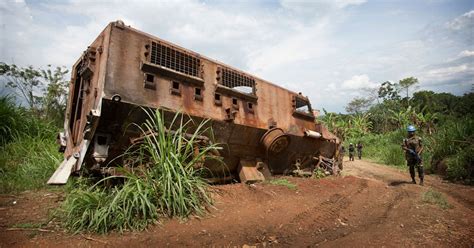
<point>330,50</point>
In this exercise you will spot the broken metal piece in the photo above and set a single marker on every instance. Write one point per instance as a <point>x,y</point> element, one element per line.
<point>62,173</point>
<point>248,172</point>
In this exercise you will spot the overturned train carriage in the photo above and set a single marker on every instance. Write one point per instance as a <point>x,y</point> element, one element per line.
<point>262,126</point>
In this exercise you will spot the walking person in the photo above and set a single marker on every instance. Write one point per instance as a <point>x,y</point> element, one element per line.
<point>413,149</point>
<point>351,152</point>
<point>359,150</point>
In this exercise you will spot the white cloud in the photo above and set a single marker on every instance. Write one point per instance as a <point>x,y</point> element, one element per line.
<point>302,45</point>
<point>358,82</point>
<point>464,21</point>
<point>449,71</point>
<point>466,53</point>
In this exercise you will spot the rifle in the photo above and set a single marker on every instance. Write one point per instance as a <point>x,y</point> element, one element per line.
<point>416,155</point>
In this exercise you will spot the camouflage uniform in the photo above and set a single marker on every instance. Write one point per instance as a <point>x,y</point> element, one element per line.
<point>359,150</point>
<point>414,143</point>
<point>351,152</point>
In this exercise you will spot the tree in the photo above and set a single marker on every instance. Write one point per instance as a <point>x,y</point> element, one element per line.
<point>54,95</point>
<point>25,81</point>
<point>406,83</point>
<point>388,91</point>
<point>44,91</point>
<point>358,105</point>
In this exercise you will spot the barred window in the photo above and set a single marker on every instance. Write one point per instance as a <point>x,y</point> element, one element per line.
<point>173,59</point>
<point>302,106</point>
<point>236,81</point>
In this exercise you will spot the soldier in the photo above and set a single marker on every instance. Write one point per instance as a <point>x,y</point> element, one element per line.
<point>413,148</point>
<point>351,152</point>
<point>359,150</point>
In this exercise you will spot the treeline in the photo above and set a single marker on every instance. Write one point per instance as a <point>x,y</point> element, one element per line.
<point>379,119</point>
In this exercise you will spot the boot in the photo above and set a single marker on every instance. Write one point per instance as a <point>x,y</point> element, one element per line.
<point>413,180</point>
<point>421,181</point>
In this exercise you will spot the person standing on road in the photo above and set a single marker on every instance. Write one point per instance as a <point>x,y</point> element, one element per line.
<point>413,149</point>
<point>359,150</point>
<point>351,152</point>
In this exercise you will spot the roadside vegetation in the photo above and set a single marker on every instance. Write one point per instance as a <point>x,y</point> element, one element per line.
<point>379,119</point>
<point>166,181</point>
<point>31,111</point>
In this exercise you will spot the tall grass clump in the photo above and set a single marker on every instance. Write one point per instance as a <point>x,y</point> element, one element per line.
<point>27,163</point>
<point>28,151</point>
<point>130,206</point>
<point>453,146</point>
<point>16,122</point>
<point>167,181</point>
<point>11,119</point>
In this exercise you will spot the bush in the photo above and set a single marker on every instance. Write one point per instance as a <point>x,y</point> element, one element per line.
<point>170,182</point>
<point>453,144</point>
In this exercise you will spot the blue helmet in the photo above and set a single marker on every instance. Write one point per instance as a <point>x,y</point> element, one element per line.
<point>411,128</point>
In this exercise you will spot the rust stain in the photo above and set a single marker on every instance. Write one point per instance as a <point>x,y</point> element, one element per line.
<point>108,82</point>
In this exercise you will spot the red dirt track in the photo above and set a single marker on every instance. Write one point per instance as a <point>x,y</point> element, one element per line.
<point>369,206</point>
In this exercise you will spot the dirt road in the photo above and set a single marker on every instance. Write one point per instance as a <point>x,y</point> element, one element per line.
<point>368,206</point>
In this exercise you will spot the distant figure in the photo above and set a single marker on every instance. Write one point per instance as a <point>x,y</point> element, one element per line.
<point>359,150</point>
<point>413,149</point>
<point>340,156</point>
<point>351,152</point>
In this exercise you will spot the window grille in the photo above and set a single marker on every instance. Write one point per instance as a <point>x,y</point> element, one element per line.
<point>173,59</point>
<point>235,80</point>
<point>302,105</point>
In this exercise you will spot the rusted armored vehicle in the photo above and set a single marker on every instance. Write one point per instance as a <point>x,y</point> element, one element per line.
<point>261,125</point>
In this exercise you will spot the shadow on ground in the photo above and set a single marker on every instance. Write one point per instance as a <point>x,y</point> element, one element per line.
<point>398,183</point>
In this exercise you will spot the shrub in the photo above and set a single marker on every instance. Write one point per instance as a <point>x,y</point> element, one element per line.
<point>453,144</point>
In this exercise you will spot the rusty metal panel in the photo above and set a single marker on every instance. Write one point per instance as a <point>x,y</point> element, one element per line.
<point>124,69</point>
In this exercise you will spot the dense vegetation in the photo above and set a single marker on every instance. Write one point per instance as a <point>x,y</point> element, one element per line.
<point>28,152</point>
<point>166,179</point>
<point>379,120</point>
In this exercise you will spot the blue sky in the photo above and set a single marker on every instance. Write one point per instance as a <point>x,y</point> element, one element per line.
<point>329,50</point>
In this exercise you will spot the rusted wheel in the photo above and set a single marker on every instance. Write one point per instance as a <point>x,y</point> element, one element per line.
<point>275,141</point>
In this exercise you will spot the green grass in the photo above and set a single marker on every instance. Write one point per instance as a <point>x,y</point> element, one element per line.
<point>383,148</point>
<point>434,197</point>
<point>28,225</point>
<point>28,151</point>
<point>131,206</point>
<point>27,162</point>
<point>283,182</point>
<point>318,173</point>
<point>453,144</point>
<point>169,185</point>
